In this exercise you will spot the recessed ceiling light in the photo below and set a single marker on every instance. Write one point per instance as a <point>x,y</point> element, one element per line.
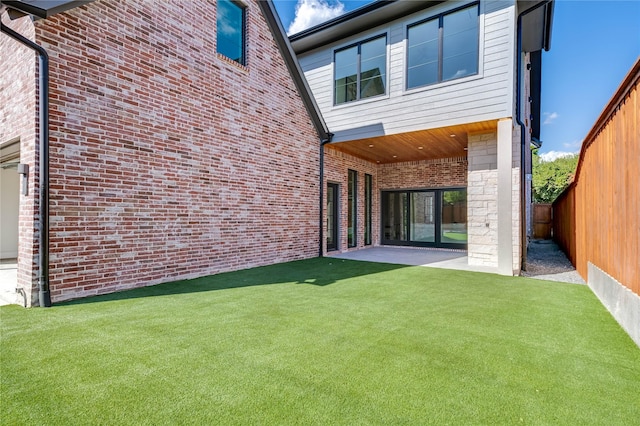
<point>453,136</point>
<point>420,147</point>
<point>395,156</point>
<point>371,146</point>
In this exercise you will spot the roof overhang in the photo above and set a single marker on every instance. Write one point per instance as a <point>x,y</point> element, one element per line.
<point>368,16</point>
<point>43,8</point>
<point>429,144</point>
<point>536,24</point>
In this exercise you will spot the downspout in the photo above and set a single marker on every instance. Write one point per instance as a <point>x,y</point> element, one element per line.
<point>523,139</point>
<point>323,142</point>
<point>44,295</point>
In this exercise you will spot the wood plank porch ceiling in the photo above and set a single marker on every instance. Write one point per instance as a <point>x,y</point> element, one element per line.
<point>443,142</point>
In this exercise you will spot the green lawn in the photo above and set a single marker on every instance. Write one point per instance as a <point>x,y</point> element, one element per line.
<point>323,341</point>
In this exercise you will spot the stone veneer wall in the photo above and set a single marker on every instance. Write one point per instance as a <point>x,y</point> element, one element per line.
<point>482,206</point>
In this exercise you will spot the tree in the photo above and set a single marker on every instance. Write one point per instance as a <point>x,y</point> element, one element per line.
<point>550,178</point>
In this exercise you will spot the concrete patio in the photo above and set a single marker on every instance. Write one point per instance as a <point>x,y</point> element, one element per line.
<point>416,256</point>
<point>8,281</point>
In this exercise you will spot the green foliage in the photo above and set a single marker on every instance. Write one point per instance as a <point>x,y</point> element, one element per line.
<point>550,178</point>
<point>322,342</point>
<point>454,196</point>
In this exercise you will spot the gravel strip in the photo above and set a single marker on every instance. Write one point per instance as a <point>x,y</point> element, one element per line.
<point>545,261</point>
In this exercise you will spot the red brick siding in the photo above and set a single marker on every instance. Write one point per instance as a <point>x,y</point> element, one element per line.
<point>442,173</point>
<point>18,121</point>
<point>336,170</point>
<point>167,160</point>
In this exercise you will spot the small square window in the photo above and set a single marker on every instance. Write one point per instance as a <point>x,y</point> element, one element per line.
<point>360,70</point>
<point>231,33</point>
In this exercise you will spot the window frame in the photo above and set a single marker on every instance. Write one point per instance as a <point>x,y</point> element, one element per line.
<point>368,208</point>
<point>407,218</point>
<point>352,208</point>
<point>440,18</point>
<point>359,44</point>
<point>243,56</point>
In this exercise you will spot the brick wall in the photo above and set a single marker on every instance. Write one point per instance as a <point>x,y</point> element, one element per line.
<point>18,122</point>
<point>441,173</point>
<point>167,160</point>
<point>336,170</point>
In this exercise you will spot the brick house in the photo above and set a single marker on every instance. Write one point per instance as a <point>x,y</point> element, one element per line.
<point>192,138</point>
<point>177,139</point>
<point>433,107</point>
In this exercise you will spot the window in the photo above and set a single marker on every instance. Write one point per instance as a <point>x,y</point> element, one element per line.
<point>443,48</point>
<point>332,216</point>
<point>368,204</point>
<point>231,30</point>
<point>361,70</point>
<point>428,218</point>
<point>352,209</point>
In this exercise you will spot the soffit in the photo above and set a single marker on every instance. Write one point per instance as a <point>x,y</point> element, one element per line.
<point>536,25</point>
<point>44,8</point>
<point>443,142</point>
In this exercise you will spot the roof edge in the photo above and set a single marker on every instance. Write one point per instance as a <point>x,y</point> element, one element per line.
<point>340,19</point>
<point>44,9</point>
<point>273,20</point>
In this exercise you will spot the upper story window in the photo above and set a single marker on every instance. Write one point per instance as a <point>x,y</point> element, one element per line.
<point>231,30</point>
<point>443,48</point>
<point>361,70</point>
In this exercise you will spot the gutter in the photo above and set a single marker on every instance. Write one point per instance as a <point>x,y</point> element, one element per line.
<point>523,199</point>
<point>290,59</point>
<point>44,298</point>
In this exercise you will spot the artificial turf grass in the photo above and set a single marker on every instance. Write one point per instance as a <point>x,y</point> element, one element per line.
<point>323,341</point>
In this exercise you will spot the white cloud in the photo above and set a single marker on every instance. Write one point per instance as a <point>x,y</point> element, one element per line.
<point>575,145</point>
<point>549,117</point>
<point>554,155</point>
<point>314,12</point>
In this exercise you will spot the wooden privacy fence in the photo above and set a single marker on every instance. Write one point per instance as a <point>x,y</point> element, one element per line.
<point>542,222</point>
<point>597,218</point>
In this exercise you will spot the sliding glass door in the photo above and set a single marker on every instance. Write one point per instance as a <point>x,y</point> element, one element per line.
<point>430,218</point>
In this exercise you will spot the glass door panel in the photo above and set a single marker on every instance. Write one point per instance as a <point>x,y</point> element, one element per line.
<point>394,213</point>
<point>423,227</point>
<point>454,217</point>
<point>332,216</point>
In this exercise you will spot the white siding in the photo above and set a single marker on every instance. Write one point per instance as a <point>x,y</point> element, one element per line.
<point>486,96</point>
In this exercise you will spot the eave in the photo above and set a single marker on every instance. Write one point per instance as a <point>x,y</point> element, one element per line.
<point>43,8</point>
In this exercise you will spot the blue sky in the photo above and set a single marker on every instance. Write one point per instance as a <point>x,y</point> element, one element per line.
<point>594,44</point>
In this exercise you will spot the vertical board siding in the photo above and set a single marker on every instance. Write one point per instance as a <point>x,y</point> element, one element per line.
<point>487,96</point>
<point>597,219</point>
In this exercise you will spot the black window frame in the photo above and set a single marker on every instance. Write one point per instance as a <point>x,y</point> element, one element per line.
<point>440,18</point>
<point>438,202</point>
<point>243,57</point>
<point>368,208</point>
<point>352,208</point>
<point>332,241</point>
<point>359,70</point>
